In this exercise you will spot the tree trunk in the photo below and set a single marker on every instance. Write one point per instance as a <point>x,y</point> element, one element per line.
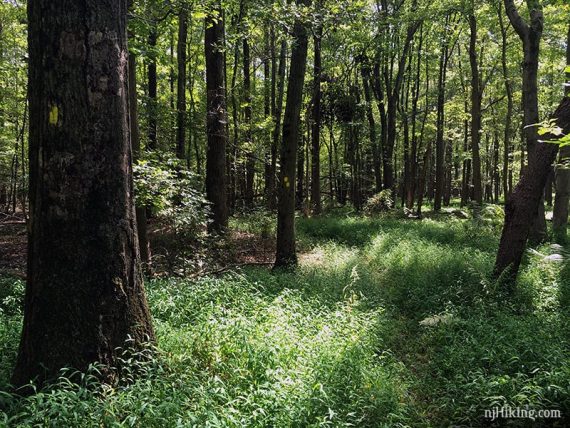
<point>316,127</point>
<point>279,83</point>
<point>530,36</point>
<point>152,89</point>
<point>439,142</point>
<point>216,119</point>
<point>376,160</point>
<point>411,189</point>
<point>286,253</point>
<point>84,295</point>
<point>250,159</point>
<point>181,94</point>
<point>522,206</point>
<point>144,244</point>
<point>509,117</point>
<point>476,96</point>
<point>268,106</point>
<point>393,99</point>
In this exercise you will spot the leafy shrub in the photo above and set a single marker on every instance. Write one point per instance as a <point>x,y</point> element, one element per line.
<point>11,296</point>
<point>379,203</point>
<point>173,194</point>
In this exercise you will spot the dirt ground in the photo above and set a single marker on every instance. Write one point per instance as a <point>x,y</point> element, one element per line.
<point>170,256</point>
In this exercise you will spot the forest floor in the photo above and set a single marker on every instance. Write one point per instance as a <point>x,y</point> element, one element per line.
<point>386,322</point>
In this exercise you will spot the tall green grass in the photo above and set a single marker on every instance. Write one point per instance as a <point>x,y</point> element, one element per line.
<point>341,341</point>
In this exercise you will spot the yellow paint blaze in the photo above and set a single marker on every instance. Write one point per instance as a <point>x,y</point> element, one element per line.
<point>53,115</point>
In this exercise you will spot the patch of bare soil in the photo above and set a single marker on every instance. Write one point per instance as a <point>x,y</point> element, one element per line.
<point>171,254</point>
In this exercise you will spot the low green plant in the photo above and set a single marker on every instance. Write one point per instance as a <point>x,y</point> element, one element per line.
<point>379,203</point>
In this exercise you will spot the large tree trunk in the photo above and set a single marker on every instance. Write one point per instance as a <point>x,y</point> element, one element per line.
<point>84,295</point>
<point>521,207</point>
<point>530,35</point>
<point>216,119</point>
<point>316,127</point>
<point>286,253</point>
<point>181,95</point>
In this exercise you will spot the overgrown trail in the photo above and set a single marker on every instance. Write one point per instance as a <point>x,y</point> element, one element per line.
<point>385,323</point>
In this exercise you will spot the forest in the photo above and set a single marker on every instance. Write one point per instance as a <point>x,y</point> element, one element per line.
<point>284,213</point>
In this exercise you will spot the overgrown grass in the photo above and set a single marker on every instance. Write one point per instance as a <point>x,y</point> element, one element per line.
<point>346,340</point>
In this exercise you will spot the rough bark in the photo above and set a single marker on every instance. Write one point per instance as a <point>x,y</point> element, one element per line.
<point>530,35</point>
<point>286,252</point>
<point>521,207</point>
<point>84,295</point>
<point>216,119</point>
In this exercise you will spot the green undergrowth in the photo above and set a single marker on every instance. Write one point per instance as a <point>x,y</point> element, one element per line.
<point>386,322</point>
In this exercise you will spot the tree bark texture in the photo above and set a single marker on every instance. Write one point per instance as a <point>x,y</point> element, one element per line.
<point>286,252</point>
<point>84,295</point>
<point>216,119</point>
<point>521,207</point>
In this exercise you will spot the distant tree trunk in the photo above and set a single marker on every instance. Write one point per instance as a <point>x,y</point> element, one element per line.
<point>439,143</point>
<point>412,188</point>
<point>423,178</point>
<point>562,198</point>
<point>448,173</point>
<point>393,99</point>
<point>379,94</point>
<point>376,159</point>
<point>476,97</point>
<point>521,207</point>
<point>152,89</point>
<point>84,295</point>
<point>316,127</point>
<point>181,94</point>
<point>509,117</point>
<point>530,35</point>
<point>299,188</point>
<point>268,106</point>
<point>233,164</point>
<point>144,244</point>
<point>286,252</point>
<point>250,159</point>
<point>277,96</point>
<point>216,119</point>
